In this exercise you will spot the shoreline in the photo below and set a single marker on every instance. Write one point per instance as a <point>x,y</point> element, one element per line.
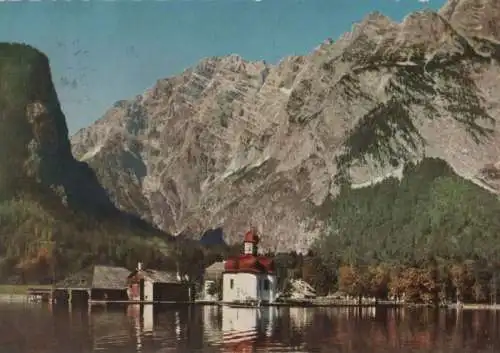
<point>13,298</point>
<point>21,293</point>
<point>474,306</point>
<point>20,289</point>
<point>6,298</point>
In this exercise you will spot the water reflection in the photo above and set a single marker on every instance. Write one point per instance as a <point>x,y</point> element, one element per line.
<point>153,329</point>
<point>143,318</point>
<point>245,329</point>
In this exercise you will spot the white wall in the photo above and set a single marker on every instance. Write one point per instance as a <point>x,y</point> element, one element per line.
<point>244,287</point>
<point>248,248</point>
<point>148,290</point>
<point>248,286</point>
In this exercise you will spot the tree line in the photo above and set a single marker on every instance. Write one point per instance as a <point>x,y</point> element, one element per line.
<point>431,236</point>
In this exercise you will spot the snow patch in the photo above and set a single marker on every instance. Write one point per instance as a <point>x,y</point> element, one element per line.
<point>397,173</point>
<point>406,63</point>
<point>233,169</point>
<point>91,153</point>
<point>286,91</point>
<point>480,183</point>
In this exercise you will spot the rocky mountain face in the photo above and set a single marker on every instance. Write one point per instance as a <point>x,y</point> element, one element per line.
<point>35,151</point>
<point>34,141</point>
<point>231,143</point>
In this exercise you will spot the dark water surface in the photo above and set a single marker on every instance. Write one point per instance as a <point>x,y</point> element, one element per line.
<point>39,328</point>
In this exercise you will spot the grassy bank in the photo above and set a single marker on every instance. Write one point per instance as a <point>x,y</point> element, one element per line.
<point>19,288</point>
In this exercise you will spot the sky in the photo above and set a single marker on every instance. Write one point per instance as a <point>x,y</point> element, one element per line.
<point>102,51</point>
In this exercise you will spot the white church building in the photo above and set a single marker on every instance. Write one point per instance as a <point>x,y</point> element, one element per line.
<point>249,277</point>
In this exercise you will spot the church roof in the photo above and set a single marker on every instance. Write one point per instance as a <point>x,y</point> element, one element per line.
<point>249,263</point>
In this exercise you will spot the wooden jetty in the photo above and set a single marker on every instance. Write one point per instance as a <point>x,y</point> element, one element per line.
<point>39,294</point>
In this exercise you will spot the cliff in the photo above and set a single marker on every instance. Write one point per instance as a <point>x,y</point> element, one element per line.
<point>54,214</point>
<point>230,142</point>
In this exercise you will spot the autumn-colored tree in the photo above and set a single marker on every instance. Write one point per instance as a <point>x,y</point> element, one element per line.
<point>36,265</point>
<point>415,284</point>
<point>351,281</point>
<point>430,284</point>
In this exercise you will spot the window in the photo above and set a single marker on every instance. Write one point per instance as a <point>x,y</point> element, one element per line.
<point>231,283</point>
<point>266,284</point>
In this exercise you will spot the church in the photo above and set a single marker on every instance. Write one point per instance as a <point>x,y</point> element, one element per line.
<point>249,277</point>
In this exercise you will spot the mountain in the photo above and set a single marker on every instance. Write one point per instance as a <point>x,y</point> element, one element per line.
<point>55,217</point>
<point>229,143</point>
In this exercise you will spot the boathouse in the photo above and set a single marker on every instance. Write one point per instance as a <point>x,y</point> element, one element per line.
<point>249,277</point>
<point>118,284</point>
<point>153,285</point>
<point>95,283</point>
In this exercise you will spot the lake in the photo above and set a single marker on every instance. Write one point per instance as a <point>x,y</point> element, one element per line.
<point>37,328</point>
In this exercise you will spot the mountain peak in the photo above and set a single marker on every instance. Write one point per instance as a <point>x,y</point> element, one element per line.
<point>374,22</point>
<point>230,142</point>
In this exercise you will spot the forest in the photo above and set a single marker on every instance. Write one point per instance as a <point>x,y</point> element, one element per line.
<point>42,242</point>
<point>430,237</point>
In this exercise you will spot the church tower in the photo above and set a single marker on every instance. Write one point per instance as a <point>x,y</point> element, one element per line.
<point>250,243</point>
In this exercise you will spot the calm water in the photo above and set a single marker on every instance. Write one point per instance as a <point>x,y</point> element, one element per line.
<point>41,329</point>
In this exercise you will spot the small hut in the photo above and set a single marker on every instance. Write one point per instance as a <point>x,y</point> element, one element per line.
<point>153,285</point>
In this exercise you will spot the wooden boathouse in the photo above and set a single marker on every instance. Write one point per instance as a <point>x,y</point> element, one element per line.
<point>111,284</point>
<point>94,283</point>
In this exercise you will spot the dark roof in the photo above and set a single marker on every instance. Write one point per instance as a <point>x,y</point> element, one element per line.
<point>102,277</point>
<point>157,276</point>
<point>109,277</point>
<point>215,270</point>
<point>80,279</point>
<point>161,276</point>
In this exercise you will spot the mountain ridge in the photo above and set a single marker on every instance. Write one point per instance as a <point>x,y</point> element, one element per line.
<point>229,143</point>
<point>55,217</point>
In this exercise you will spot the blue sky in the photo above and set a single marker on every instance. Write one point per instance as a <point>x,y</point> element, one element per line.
<point>103,51</point>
